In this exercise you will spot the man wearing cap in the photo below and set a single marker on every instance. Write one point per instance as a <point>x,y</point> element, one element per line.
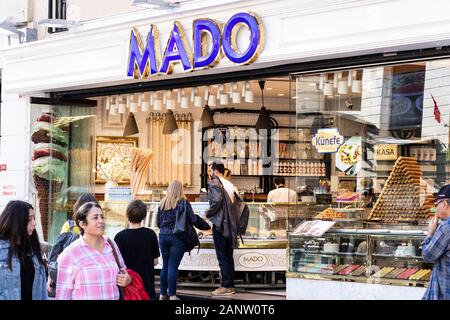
<point>435,248</point>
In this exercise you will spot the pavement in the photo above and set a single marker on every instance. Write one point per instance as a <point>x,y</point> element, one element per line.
<point>247,294</point>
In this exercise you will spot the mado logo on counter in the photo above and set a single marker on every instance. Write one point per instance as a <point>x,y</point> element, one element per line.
<point>252,260</point>
<point>210,42</point>
<point>327,140</point>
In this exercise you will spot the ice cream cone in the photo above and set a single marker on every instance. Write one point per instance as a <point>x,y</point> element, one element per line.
<point>48,191</point>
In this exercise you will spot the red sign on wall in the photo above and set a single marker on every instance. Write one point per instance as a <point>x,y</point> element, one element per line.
<point>2,167</point>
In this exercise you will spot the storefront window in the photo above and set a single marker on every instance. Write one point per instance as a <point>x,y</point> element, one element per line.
<point>382,135</point>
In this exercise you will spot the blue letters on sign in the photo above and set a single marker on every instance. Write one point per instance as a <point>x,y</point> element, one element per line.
<point>146,60</point>
<point>255,38</point>
<point>200,26</point>
<point>177,50</point>
<point>142,59</point>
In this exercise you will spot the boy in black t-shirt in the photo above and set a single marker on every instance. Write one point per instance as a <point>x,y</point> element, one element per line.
<point>139,246</point>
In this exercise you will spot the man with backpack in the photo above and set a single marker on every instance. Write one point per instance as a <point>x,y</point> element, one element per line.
<point>225,214</point>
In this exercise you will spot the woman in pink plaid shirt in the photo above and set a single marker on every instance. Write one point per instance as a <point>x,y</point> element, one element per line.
<point>87,269</point>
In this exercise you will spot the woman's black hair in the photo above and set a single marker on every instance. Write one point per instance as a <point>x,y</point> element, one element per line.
<point>84,198</point>
<point>13,227</point>
<point>82,213</point>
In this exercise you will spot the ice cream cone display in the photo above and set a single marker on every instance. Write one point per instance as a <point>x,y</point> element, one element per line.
<point>49,162</point>
<point>399,200</point>
<point>140,163</point>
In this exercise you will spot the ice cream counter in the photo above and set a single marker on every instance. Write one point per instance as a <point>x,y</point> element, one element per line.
<point>259,261</point>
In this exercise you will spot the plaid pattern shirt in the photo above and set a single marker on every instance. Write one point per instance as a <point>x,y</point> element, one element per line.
<point>437,249</point>
<point>86,274</point>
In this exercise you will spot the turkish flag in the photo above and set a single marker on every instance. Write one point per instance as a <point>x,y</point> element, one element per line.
<point>437,113</point>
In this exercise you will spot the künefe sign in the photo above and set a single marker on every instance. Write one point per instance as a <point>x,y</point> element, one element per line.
<point>327,140</point>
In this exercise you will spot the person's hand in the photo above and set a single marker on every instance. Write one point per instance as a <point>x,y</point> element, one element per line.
<point>155,262</point>
<point>49,285</point>
<point>432,226</point>
<point>123,278</point>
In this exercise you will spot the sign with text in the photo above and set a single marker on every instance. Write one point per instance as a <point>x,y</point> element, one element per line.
<point>2,167</point>
<point>8,192</point>
<point>210,42</point>
<point>327,140</point>
<point>386,152</point>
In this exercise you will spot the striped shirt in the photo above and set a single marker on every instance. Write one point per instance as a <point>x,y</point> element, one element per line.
<point>437,249</point>
<point>86,274</point>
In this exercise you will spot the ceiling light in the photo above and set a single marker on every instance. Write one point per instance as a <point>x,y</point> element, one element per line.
<point>342,86</point>
<point>236,97</point>
<point>263,122</point>
<point>131,126</point>
<point>357,86</point>
<point>170,124</point>
<point>122,106</point>
<point>198,101</point>
<point>132,103</point>
<point>157,103</point>
<point>280,94</point>
<point>328,89</point>
<point>249,96</point>
<point>184,103</point>
<point>58,23</point>
<point>212,100</point>
<point>207,118</point>
<point>145,104</point>
<point>269,88</point>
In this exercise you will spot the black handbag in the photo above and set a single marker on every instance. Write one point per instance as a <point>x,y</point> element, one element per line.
<point>184,230</point>
<point>181,221</point>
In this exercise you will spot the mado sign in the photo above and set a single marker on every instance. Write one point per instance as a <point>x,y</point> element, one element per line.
<point>327,140</point>
<point>146,60</point>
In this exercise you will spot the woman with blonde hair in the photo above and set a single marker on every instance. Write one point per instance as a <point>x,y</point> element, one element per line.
<point>172,246</point>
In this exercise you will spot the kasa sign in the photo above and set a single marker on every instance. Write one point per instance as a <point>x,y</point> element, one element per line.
<point>211,41</point>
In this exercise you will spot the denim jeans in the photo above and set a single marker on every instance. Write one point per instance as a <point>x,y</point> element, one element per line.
<point>224,252</point>
<point>172,251</point>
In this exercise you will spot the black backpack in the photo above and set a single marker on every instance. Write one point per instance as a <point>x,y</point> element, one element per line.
<point>62,242</point>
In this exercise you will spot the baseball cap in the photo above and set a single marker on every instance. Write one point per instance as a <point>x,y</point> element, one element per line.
<point>443,193</point>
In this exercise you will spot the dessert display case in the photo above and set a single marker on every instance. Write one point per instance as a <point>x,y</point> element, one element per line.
<point>260,260</point>
<point>374,256</point>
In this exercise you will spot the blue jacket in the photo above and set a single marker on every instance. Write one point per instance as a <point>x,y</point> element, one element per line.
<point>10,288</point>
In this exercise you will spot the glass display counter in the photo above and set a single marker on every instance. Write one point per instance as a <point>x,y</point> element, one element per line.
<point>260,261</point>
<point>268,222</point>
<point>375,256</point>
